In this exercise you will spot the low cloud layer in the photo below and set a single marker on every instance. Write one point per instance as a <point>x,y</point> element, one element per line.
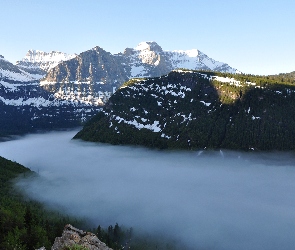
<point>216,200</point>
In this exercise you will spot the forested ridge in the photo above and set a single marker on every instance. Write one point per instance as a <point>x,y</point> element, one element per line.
<point>27,225</point>
<point>200,109</point>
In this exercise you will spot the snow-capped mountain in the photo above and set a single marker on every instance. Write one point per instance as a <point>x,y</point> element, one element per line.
<point>197,60</point>
<point>40,62</point>
<point>148,59</point>
<point>96,71</point>
<point>12,73</point>
<point>25,106</point>
<point>145,60</point>
<point>20,88</point>
<point>90,78</point>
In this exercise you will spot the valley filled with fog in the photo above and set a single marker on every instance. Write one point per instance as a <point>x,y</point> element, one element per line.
<point>207,200</point>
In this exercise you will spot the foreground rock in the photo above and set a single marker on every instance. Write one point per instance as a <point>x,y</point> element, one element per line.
<point>72,236</point>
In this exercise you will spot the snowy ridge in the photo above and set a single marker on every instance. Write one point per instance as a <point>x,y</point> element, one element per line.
<point>10,72</point>
<point>43,60</point>
<point>195,59</point>
<point>35,102</point>
<point>20,76</point>
<point>34,56</point>
<point>148,55</point>
<point>2,58</point>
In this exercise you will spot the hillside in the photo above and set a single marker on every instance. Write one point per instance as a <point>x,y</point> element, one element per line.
<point>197,110</point>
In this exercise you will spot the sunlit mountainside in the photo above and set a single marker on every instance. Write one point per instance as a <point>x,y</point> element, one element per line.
<point>199,109</point>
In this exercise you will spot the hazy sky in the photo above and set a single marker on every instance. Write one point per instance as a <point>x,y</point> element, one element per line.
<point>254,36</point>
<point>219,200</point>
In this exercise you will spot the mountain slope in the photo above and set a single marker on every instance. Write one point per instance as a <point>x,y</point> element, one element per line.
<point>12,73</point>
<point>25,106</point>
<point>196,110</point>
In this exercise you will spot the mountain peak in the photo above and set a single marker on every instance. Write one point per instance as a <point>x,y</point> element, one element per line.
<point>149,46</point>
<point>98,49</point>
<point>40,62</point>
<point>37,56</point>
<point>3,59</point>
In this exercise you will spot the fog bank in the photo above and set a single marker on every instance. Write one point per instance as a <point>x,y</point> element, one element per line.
<point>212,200</point>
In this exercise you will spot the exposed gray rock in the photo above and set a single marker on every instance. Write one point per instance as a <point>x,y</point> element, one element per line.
<point>94,67</point>
<point>72,236</point>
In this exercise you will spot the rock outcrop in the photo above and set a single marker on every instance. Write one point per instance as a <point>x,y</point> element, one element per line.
<point>72,236</point>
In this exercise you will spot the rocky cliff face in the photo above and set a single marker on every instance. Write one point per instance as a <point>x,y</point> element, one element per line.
<point>72,236</point>
<point>89,78</point>
<point>95,66</point>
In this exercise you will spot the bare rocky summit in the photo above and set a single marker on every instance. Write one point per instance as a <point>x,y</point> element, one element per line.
<point>72,236</point>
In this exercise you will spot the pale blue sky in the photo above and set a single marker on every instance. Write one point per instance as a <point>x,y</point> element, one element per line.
<point>254,36</point>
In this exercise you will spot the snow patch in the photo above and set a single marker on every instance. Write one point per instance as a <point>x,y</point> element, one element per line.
<point>36,102</point>
<point>255,117</point>
<point>206,103</point>
<point>153,127</point>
